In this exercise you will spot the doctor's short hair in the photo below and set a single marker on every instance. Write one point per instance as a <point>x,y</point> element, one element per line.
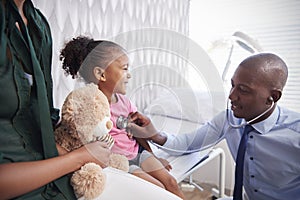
<point>270,65</point>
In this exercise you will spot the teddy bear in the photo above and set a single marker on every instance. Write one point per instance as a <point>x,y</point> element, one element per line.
<point>85,119</point>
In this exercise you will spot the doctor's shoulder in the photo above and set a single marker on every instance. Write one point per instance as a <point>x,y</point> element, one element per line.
<point>289,118</point>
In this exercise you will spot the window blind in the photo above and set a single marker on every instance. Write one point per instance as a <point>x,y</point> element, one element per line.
<point>275,24</point>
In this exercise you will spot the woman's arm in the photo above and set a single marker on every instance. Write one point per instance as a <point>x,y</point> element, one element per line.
<point>23,177</point>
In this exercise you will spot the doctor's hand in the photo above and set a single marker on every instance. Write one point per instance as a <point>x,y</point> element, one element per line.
<point>147,132</point>
<point>140,126</point>
<point>139,119</point>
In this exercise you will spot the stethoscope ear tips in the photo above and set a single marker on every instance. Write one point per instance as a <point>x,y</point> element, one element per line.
<point>271,99</point>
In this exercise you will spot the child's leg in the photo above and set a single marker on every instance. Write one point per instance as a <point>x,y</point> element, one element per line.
<point>153,166</point>
<point>141,174</point>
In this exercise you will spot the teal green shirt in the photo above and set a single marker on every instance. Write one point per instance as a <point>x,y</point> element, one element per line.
<point>26,107</point>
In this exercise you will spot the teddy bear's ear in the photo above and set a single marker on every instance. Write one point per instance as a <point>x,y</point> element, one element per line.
<point>99,74</point>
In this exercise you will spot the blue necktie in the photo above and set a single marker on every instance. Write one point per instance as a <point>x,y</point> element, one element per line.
<point>239,167</point>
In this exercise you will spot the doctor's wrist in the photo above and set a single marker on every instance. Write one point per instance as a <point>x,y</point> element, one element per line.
<point>159,138</point>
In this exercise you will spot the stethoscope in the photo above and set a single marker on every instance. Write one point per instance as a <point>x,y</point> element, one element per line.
<point>121,120</point>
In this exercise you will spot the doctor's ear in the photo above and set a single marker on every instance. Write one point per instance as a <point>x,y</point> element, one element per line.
<point>275,96</point>
<point>99,74</point>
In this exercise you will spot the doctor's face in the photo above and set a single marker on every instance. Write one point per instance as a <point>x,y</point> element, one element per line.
<point>249,93</point>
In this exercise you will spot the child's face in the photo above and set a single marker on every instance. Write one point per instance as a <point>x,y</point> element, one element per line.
<point>117,75</point>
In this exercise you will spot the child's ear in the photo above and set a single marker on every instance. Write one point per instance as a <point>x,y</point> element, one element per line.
<point>99,74</point>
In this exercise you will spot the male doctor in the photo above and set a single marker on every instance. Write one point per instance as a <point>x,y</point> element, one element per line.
<point>263,138</point>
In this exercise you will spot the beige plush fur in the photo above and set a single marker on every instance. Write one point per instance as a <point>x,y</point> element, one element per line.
<point>92,178</point>
<point>117,161</point>
<point>85,119</point>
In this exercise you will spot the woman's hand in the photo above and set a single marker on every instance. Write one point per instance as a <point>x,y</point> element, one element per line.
<point>24,177</point>
<point>97,152</point>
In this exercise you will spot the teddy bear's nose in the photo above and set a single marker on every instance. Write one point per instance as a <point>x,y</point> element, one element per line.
<point>109,125</point>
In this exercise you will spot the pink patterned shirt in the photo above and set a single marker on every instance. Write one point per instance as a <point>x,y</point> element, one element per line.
<point>123,145</point>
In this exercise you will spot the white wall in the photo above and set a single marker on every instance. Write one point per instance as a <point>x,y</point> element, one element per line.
<point>145,28</point>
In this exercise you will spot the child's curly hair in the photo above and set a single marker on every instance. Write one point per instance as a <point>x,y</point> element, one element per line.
<point>82,54</point>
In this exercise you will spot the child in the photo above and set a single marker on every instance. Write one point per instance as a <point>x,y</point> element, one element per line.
<point>106,64</point>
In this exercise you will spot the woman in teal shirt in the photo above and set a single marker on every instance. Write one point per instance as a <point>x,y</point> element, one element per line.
<point>30,167</point>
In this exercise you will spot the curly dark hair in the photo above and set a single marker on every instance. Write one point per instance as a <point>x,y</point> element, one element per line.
<point>74,53</point>
<point>82,54</point>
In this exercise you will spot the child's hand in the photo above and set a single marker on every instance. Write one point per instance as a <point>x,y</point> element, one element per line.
<point>165,163</point>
